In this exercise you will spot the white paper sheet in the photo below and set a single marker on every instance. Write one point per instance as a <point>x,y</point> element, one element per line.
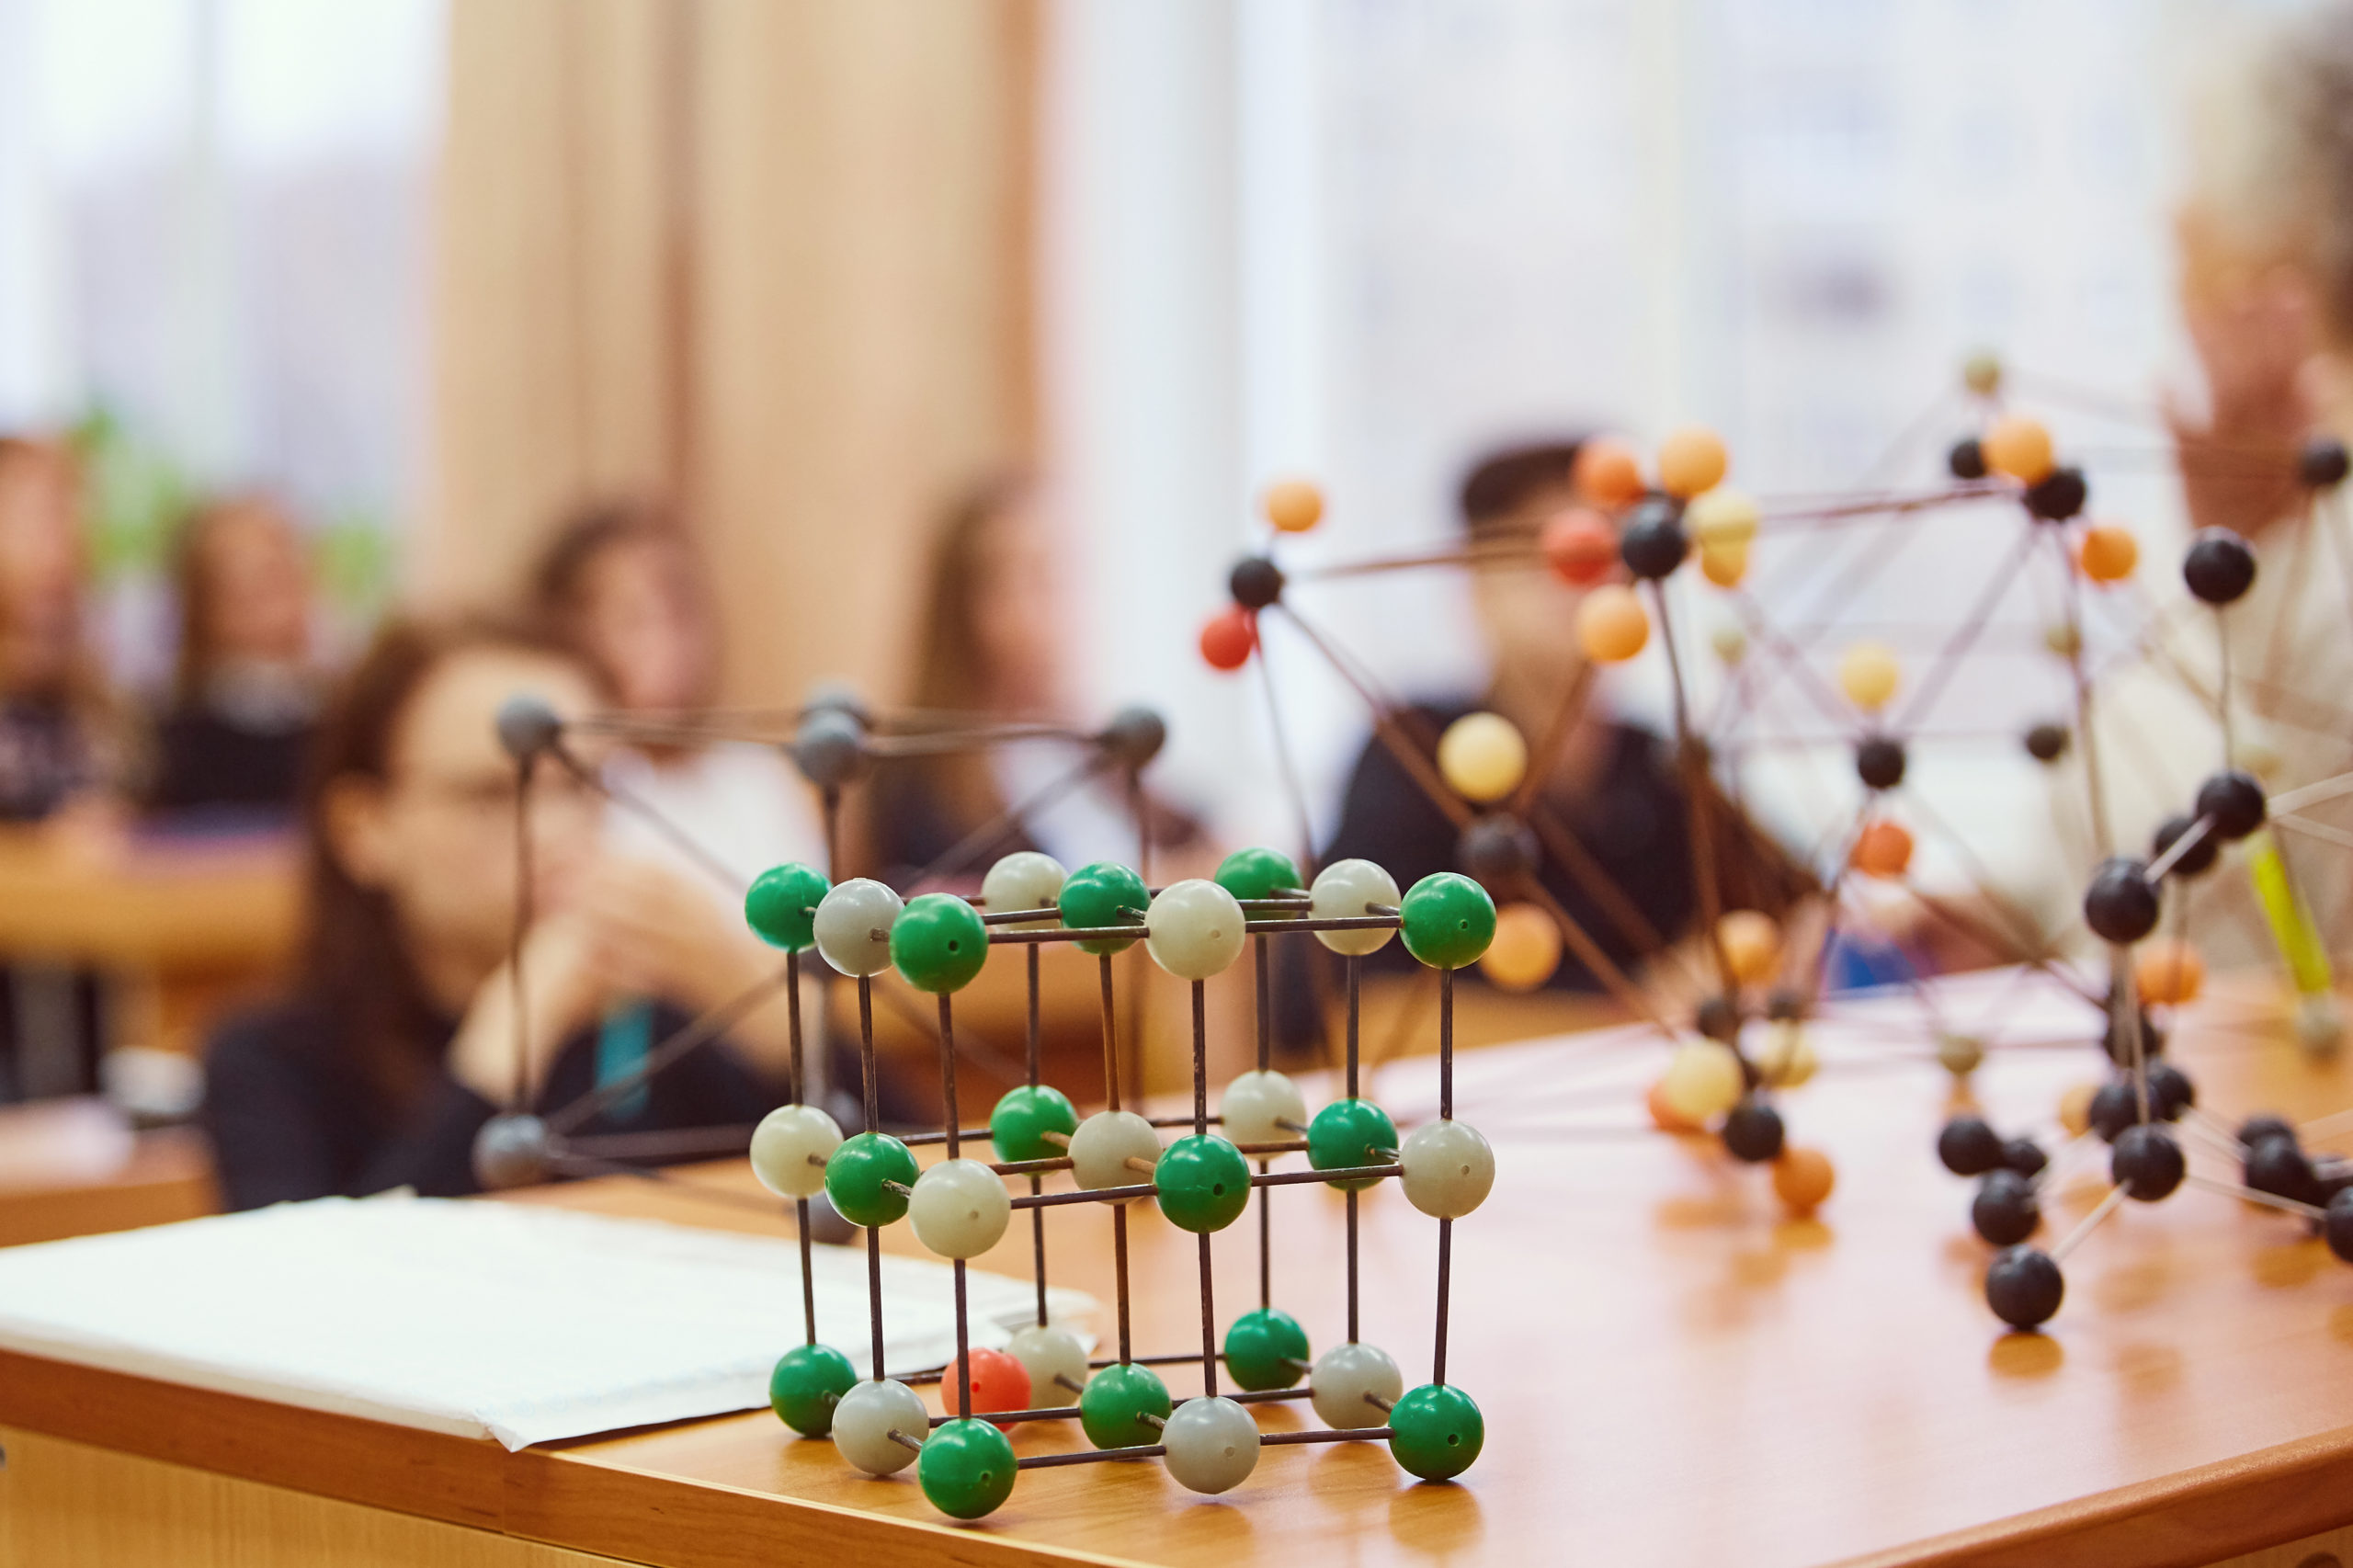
<point>507,1320</point>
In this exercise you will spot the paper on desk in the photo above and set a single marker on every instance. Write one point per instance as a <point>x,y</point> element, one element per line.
<point>507,1320</point>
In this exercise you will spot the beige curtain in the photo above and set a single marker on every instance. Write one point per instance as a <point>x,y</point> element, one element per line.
<point>769,258</point>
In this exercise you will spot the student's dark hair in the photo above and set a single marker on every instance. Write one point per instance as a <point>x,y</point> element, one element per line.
<point>559,581</point>
<point>353,968</point>
<point>1500,483</point>
<point>952,661</point>
<point>198,593</point>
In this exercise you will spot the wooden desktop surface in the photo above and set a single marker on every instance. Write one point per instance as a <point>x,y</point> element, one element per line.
<point>1671,1371</point>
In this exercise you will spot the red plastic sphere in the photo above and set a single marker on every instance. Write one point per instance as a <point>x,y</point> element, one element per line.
<point>1580,546</point>
<point>1228,638</point>
<point>999,1382</point>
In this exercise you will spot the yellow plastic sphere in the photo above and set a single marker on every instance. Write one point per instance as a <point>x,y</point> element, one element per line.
<point>2019,447</point>
<point>1730,643</point>
<point>1868,674</point>
<point>1751,943</point>
<point>1295,506</point>
<point>1982,373</point>
<point>1482,757</point>
<point>1787,1058</point>
<point>2168,972</point>
<point>1803,1179</point>
<point>1690,461</point>
<point>1723,564</point>
<point>1722,516</point>
<point>1704,1080</point>
<point>1526,949</point>
<point>2109,552</point>
<point>1612,625</point>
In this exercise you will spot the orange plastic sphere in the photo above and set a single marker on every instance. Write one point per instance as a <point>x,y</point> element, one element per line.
<point>1803,1179</point>
<point>1752,945</point>
<point>1612,625</point>
<point>2075,1110</point>
<point>1228,638</point>
<point>1664,1116</point>
<point>2107,553</point>
<point>1295,506</point>
<point>2168,972</point>
<point>2019,447</point>
<point>1723,564</point>
<point>1691,460</point>
<point>1607,474</point>
<point>999,1382</point>
<point>1525,950</point>
<point>1883,849</point>
<point>1580,546</point>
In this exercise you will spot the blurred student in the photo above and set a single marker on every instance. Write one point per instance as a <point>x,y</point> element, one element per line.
<point>990,651</point>
<point>245,690</point>
<point>399,1038</point>
<point>61,737</point>
<point>625,586</point>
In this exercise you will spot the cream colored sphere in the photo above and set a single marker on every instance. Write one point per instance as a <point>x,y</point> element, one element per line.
<point>1723,517</point>
<point>1346,890</point>
<point>1104,1142</point>
<point>790,1148</point>
<point>1024,879</point>
<point>1056,1359</point>
<point>960,1207</point>
<point>1704,1080</point>
<point>1212,1445</point>
<point>1446,1168</point>
<point>1195,929</point>
<point>1482,757</point>
<point>1786,1058</point>
<point>865,1418</point>
<point>1341,1379</point>
<point>1257,1104</point>
<point>1868,675</point>
<point>853,926</point>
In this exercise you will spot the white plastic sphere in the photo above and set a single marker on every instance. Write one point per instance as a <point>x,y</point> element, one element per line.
<point>853,926</point>
<point>960,1207</point>
<point>1256,1105</point>
<point>1212,1445</point>
<point>1447,1168</point>
<point>1341,1379</point>
<point>1342,891</point>
<point>790,1148</point>
<point>1704,1080</point>
<point>1056,1359</point>
<point>866,1416</point>
<point>1194,929</point>
<point>1100,1149</point>
<point>1024,879</point>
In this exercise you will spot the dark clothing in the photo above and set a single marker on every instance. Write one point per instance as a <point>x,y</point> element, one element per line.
<point>47,755</point>
<point>291,1118</point>
<point>206,759</point>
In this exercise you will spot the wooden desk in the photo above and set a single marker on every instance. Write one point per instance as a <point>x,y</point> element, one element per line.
<point>72,1169</point>
<point>1671,1372</point>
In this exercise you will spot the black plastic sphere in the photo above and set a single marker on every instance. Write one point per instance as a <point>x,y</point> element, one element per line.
<point>2023,1156</point>
<point>2170,1091</point>
<point>1967,459</point>
<point>528,726</point>
<point>1134,737</point>
<point>830,748</point>
<point>1498,849</point>
<point>2220,568</point>
<point>1968,1146</point>
<point>2120,1050</point>
<point>2338,1227</point>
<point>2115,1106</point>
<point>2277,1166</point>
<point>2324,463</point>
<point>2006,1209</point>
<point>1879,763</point>
<point>1719,1018</point>
<point>2058,496</point>
<point>1654,543</point>
<point>2263,1125</point>
<point>2122,904</point>
<point>2047,743</point>
<point>1255,582</point>
<point>1753,1132</point>
<point>2235,801</point>
<point>2024,1286</point>
<point>2195,861</point>
<point>511,1150</point>
<point>2147,1164</point>
<point>1783,1006</point>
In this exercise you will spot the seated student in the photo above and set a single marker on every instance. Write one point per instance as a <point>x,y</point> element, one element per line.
<point>61,740</point>
<point>625,586</point>
<point>1614,787</point>
<point>399,1038</point>
<point>245,698</point>
<point>990,651</point>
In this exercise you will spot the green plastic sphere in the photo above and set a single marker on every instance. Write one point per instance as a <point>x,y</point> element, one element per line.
<point>1259,873</point>
<point>1349,1132</point>
<point>938,942</point>
<point>854,1178</point>
<point>1105,894</point>
<point>1022,1119</point>
<point>1202,1183</point>
<point>1435,1431</point>
<point>809,1381</point>
<point>782,906</point>
<point>967,1469</point>
<point>1116,1402</point>
<point>1266,1350</point>
<point>1446,920</point>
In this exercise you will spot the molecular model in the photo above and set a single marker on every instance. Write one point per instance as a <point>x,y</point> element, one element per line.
<point>1620,544</point>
